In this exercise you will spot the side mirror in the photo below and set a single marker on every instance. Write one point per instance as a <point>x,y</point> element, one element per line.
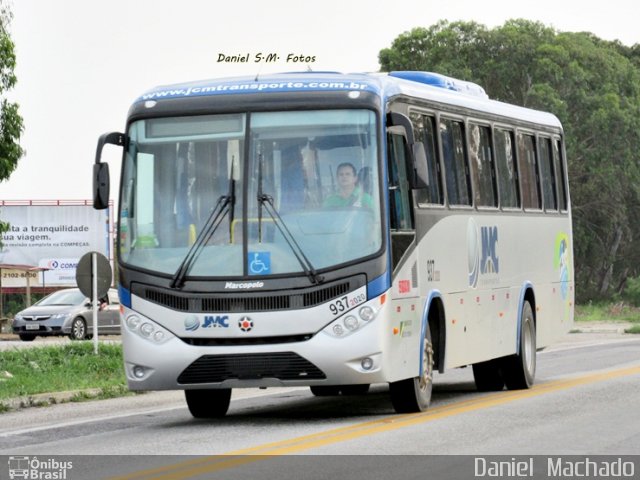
<point>101,170</point>
<point>101,186</point>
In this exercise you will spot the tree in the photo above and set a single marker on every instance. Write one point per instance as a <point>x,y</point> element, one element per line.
<point>11,126</point>
<point>593,86</point>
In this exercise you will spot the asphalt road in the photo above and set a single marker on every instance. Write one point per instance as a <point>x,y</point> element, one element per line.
<point>585,401</point>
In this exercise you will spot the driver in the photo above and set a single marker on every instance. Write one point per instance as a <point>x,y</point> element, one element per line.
<point>349,194</point>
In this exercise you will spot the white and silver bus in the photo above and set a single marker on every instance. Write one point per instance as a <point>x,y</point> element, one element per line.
<point>337,231</point>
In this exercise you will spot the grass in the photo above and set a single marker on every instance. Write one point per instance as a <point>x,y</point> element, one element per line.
<point>30,371</point>
<point>607,312</point>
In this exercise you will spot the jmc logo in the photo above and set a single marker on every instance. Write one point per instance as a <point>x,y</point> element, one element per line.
<point>216,321</point>
<point>482,251</point>
<point>490,262</point>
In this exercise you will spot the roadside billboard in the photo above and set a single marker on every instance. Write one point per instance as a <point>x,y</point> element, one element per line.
<point>54,235</point>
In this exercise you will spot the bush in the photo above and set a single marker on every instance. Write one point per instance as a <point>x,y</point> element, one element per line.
<point>632,291</point>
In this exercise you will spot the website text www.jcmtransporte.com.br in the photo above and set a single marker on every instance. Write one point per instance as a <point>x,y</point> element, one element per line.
<point>254,87</point>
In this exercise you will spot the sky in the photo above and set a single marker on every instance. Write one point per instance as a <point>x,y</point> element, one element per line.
<point>80,64</point>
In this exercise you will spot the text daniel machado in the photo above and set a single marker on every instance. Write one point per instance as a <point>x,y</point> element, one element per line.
<point>556,467</point>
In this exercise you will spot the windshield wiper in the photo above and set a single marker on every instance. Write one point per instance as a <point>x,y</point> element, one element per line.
<point>266,201</point>
<point>224,206</point>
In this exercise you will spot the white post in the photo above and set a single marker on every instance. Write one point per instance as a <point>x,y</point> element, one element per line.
<point>94,279</point>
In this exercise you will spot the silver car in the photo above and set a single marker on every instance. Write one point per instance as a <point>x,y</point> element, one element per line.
<point>68,312</point>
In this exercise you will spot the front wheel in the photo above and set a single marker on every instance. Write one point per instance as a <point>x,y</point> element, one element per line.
<point>78,329</point>
<point>208,403</point>
<point>414,394</point>
<point>519,370</point>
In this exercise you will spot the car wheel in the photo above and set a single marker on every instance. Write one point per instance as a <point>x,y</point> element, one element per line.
<point>26,337</point>
<point>78,329</point>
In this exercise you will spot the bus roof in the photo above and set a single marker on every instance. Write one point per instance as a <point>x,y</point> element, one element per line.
<point>424,85</point>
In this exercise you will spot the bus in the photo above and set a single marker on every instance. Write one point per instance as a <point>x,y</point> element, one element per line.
<point>335,231</point>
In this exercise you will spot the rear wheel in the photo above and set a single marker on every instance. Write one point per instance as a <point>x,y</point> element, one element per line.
<point>414,394</point>
<point>519,370</point>
<point>208,403</point>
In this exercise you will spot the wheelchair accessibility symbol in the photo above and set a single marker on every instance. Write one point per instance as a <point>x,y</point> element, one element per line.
<point>259,263</point>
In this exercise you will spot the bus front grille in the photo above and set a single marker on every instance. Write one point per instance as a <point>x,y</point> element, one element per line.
<point>248,301</point>
<point>251,366</point>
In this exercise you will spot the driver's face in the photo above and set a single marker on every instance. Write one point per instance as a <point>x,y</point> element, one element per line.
<point>346,177</point>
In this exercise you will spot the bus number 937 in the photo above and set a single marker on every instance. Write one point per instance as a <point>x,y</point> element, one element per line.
<point>345,303</point>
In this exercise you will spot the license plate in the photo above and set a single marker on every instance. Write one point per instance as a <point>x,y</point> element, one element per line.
<point>32,327</point>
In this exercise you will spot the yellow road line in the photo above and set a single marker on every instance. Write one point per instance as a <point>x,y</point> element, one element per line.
<point>294,445</point>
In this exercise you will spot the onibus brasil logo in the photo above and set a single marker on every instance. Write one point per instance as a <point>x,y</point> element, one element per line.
<point>35,469</point>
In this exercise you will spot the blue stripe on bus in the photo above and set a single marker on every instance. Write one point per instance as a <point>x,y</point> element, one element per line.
<point>125,296</point>
<point>378,286</point>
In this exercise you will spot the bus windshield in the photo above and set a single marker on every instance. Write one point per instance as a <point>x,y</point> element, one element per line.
<point>258,194</point>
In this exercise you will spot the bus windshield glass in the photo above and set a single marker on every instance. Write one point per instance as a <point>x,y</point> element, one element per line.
<point>242,195</point>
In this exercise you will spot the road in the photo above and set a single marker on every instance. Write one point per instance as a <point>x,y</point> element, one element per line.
<point>585,402</point>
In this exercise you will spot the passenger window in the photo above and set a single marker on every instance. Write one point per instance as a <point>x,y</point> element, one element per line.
<point>507,171</point>
<point>528,169</point>
<point>455,162</point>
<point>425,132</point>
<point>560,176</point>
<point>481,159</point>
<point>548,175</point>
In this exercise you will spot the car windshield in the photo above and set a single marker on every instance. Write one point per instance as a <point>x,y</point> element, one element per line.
<point>63,297</point>
<point>250,194</point>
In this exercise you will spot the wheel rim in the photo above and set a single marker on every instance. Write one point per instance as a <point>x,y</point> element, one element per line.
<point>529,346</point>
<point>78,329</point>
<point>426,379</point>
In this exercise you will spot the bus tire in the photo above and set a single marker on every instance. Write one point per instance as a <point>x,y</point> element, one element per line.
<point>519,370</point>
<point>325,390</point>
<point>488,376</point>
<point>414,394</point>
<point>208,403</point>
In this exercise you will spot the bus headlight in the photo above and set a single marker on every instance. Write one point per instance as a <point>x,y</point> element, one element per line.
<point>367,313</point>
<point>147,329</point>
<point>351,322</point>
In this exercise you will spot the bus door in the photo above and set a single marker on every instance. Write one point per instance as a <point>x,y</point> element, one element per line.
<point>401,221</point>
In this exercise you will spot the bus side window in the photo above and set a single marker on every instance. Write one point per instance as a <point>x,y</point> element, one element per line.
<point>560,176</point>
<point>481,159</point>
<point>507,169</point>
<point>548,176</point>
<point>455,162</point>
<point>425,132</point>
<point>528,168</point>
